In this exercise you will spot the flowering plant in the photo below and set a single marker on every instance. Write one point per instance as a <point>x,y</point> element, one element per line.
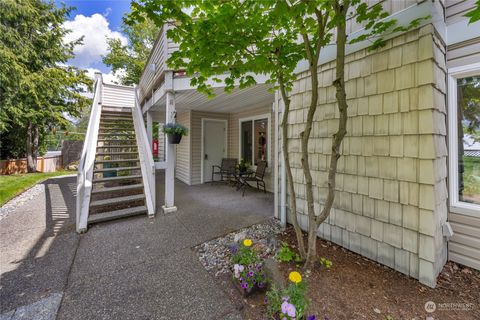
<point>289,303</point>
<point>248,267</point>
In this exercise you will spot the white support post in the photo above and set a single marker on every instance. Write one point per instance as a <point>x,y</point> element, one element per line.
<point>150,128</point>
<point>170,157</point>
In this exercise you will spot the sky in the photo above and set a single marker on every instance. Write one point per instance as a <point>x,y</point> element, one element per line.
<point>95,20</point>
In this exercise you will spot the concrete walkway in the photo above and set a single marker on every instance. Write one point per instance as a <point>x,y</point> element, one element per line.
<point>136,268</point>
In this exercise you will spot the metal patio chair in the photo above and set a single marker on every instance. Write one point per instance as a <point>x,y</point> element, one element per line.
<point>256,177</point>
<point>225,169</point>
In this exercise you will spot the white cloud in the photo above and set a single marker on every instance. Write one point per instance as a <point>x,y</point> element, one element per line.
<point>95,30</point>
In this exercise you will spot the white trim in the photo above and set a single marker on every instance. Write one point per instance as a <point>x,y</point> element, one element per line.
<point>203,142</point>
<point>267,116</point>
<point>456,205</point>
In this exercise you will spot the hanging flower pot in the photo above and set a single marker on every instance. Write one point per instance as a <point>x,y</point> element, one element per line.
<point>174,132</point>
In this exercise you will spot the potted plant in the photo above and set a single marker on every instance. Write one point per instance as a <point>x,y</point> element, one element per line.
<point>243,165</point>
<point>174,132</point>
<point>248,273</point>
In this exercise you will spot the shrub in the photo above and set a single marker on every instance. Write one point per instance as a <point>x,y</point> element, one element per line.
<point>175,128</point>
<point>285,254</point>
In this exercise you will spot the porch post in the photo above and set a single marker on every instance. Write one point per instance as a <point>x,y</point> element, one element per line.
<point>149,128</point>
<point>170,157</point>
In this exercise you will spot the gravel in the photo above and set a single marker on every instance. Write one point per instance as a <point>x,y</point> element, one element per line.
<point>215,254</point>
<point>21,199</point>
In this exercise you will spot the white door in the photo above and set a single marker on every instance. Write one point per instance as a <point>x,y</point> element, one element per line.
<point>213,146</point>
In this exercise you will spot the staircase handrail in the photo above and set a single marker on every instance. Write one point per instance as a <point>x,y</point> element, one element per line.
<point>146,156</point>
<point>87,160</point>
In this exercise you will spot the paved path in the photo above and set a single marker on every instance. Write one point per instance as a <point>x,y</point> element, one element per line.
<point>136,268</point>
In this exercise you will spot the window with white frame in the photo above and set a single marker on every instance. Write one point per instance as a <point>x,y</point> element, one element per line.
<point>254,139</point>
<point>464,139</point>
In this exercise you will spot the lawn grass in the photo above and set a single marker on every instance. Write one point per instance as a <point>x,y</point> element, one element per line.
<point>13,185</point>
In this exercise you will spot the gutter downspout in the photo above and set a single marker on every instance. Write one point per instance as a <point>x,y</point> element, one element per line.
<point>283,178</point>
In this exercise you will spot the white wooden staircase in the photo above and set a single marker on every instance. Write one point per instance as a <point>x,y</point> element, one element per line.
<point>116,174</point>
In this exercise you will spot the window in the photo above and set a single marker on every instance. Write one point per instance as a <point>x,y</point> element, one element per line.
<point>464,139</point>
<point>254,139</point>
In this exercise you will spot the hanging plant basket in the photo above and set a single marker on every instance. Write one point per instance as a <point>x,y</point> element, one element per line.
<point>174,132</point>
<point>174,138</point>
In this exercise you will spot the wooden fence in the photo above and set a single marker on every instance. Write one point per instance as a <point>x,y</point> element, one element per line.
<point>44,164</point>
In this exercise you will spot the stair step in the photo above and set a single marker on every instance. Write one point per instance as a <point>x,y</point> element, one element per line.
<point>116,161</point>
<point>115,140</point>
<point>118,200</point>
<point>118,146</point>
<point>114,119</point>
<point>117,214</point>
<point>116,134</point>
<point>119,188</point>
<point>114,153</point>
<point>116,169</point>
<point>117,128</point>
<point>98,180</point>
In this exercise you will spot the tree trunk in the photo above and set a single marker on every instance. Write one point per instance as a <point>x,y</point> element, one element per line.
<point>286,159</point>
<point>339,83</point>
<point>32,147</point>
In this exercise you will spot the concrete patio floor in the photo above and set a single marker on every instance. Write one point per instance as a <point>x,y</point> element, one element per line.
<point>135,268</point>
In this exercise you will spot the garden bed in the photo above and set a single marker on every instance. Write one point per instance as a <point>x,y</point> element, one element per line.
<point>354,287</point>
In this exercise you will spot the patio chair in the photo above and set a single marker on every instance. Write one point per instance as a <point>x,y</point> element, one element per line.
<point>226,169</point>
<point>257,178</point>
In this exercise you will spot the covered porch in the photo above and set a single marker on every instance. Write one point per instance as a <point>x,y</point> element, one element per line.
<point>238,125</point>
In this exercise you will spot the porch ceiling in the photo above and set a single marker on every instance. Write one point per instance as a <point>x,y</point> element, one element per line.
<point>224,102</point>
<point>191,99</point>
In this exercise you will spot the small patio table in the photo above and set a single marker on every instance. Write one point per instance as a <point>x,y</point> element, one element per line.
<point>239,182</point>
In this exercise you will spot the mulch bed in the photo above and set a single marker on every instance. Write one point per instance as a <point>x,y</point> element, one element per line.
<point>358,288</point>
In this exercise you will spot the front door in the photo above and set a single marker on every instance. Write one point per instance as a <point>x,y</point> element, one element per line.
<point>213,146</point>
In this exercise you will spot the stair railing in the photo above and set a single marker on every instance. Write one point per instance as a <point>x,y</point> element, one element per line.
<point>146,157</point>
<point>87,160</point>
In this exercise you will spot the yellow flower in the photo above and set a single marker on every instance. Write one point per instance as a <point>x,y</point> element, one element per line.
<point>247,242</point>
<point>295,277</point>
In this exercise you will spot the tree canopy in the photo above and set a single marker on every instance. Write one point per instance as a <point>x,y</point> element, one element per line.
<point>38,91</point>
<point>129,60</point>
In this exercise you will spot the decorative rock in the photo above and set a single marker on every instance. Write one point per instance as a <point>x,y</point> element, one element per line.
<point>215,254</point>
<point>272,271</point>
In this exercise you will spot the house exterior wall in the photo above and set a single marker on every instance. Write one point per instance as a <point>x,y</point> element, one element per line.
<point>456,9</point>
<point>196,141</point>
<point>391,197</point>
<point>463,53</point>
<point>183,164</point>
<point>234,137</point>
<point>464,246</point>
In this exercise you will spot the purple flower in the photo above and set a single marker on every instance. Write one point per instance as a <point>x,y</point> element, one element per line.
<point>259,267</point>
<point>244,285</point>
<point>312,317</point>
<point>265,300</point>
<point>289,309</point>
<point>260,285</point>
<point>250,274</point>
<point>285,299</point>
<point>234,248</point>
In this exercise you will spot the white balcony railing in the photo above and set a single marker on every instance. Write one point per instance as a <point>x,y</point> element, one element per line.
<point>87,160</point>
<point>146,157</point>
